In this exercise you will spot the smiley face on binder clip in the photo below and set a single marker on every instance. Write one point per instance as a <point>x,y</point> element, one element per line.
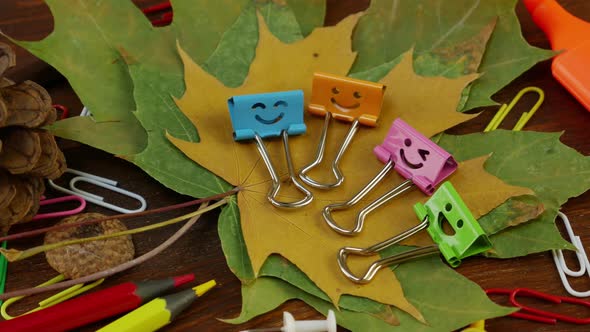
<point>415,156</point>
<point>346,98</point>
<point>422,155</point>
<point>267,114</point>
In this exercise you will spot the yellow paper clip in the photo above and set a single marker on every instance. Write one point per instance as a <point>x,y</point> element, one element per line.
<point>478,326</point>
<point>50,301</point>
<point>524,118</point>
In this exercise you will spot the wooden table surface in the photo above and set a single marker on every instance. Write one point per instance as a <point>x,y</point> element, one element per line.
<point>199,251</point>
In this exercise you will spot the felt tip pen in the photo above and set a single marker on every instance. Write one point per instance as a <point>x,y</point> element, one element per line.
<point>94,306</point>
<point>158,312</point>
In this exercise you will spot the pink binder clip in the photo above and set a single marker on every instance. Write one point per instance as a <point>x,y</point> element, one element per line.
<point>64,213</point>
<point>415,157</point>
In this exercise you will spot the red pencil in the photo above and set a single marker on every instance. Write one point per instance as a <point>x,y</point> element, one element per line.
<point>94,306</point>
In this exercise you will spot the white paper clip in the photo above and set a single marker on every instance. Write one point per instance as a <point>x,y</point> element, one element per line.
<point>101,182</point>
<point>85,112</point>
<point>562,267</point>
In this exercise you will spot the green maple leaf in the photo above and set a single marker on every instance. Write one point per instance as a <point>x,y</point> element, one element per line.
<point>432,27</point>
<point>422,281</point>
<point>539,161</point>
<point>84,47</point>
<point>111,45</point>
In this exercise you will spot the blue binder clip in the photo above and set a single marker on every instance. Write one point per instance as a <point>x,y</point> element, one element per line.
<point>265,115</point>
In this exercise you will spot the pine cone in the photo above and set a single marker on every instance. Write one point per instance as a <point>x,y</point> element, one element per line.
<point>28,154</point>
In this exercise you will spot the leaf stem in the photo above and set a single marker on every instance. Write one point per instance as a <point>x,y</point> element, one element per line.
<point>118,216</point>
<point>16,255</point>
<point>109,272</point>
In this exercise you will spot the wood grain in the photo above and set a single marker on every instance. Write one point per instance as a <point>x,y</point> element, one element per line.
<point>200,251</point>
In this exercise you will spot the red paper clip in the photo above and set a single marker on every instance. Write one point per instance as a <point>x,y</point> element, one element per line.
<point>538,315</point>
<point>64,111</point>
<point>166,17</point>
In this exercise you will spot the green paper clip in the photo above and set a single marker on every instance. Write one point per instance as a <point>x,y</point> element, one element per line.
<point>447,206</point>
<point>3,270</point>
<point>444,206</point>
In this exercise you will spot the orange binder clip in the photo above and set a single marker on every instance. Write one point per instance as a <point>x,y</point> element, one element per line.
<point>346,99</point>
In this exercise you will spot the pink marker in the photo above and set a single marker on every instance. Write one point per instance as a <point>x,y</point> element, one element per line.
<point>415,157</point>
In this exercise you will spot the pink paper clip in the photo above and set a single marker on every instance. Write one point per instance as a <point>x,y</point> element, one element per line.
<point>423,163</point>
<point>59,214</point>
<point>537,315</point>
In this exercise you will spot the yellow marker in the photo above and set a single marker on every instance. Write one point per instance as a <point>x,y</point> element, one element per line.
<point>158,312</point>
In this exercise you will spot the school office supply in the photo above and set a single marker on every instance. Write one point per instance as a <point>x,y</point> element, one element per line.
<point>96,199</point>
<point>537,315</point>
<point>524,118</point>
<point>346,99</point>
<point>571,35</point>
<point>291,325</point>
<point>275,114</point>
<point>64,213</point>
<point>52,300</point>
<point>94,306</point>
<point>445,206</point>
<point>158,312</point>
<point>562,268</point>
<point>423,163</point>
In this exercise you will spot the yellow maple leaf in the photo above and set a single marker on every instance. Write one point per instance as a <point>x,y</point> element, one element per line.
<point>300,235</point>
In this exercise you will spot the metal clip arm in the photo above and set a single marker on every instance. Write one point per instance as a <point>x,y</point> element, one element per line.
<point>361,216</point>
<point>320,156</point>
<point>375,249</point>
<point>276,180</point>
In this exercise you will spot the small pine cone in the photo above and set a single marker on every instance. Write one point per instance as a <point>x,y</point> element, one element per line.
<point>28,154</point>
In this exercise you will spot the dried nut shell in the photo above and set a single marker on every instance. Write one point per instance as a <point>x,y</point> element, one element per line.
<point>21,149</point>
<point>19,206</point>
<point>7,58</point>
<point>28,104</point>
<point>79,260</point>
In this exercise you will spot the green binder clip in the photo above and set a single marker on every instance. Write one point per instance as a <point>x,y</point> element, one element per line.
<point>447,206</point>
<point>465,239</point>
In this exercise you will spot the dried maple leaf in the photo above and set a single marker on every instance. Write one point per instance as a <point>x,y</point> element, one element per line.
<point>300,235</point>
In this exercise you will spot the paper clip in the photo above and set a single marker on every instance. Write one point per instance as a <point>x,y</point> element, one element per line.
<point>101,182</point>
<point>346,99</point>
<point>85,112</point>
<point>479,326</point>
<point>524,118</point>
<point>445,206</point>
<point>59,214</point>
<point>274,114</point>
<point>50,301</point>
<point>561,265</point>
<point>64,111</point>
<point>423,163</point>
<point>538,315</point>
<point>3,270</point>
<point>166,17</point>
